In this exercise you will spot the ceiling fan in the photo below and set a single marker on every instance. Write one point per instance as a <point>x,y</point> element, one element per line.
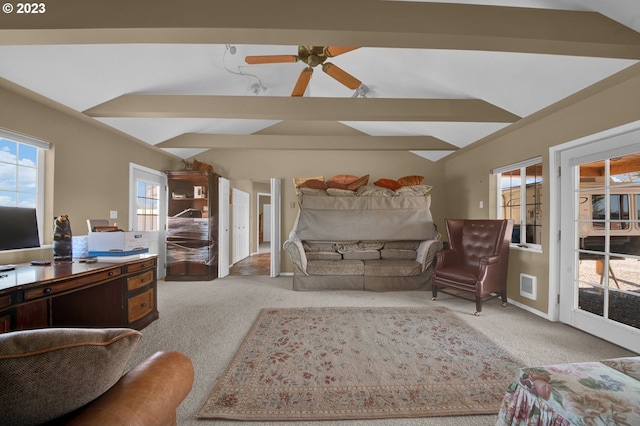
<point>312,56</point>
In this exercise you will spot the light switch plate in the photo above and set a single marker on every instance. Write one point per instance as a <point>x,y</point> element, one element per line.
<point>113,214</point>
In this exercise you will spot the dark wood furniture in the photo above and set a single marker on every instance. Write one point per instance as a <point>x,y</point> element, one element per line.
<point>77,294</point>
<point>192,226</point>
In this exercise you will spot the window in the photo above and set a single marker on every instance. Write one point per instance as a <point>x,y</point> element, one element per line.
<point>22,172</point>
<point>520,198</point>
<point>147,200</point>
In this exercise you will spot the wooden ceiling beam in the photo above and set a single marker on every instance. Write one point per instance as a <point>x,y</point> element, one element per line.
<point>308,142</point>
<point>330,22</point>
<point>302,108</point>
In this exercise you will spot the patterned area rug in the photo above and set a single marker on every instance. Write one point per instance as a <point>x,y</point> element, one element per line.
<point>361,363</point>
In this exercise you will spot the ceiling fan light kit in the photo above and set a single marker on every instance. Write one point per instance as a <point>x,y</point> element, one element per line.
<point>312,56</point>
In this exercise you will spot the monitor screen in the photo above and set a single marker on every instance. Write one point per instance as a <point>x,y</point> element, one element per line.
<point>19,228</point>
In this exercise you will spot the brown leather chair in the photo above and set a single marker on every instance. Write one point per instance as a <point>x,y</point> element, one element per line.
<point>476,260</point>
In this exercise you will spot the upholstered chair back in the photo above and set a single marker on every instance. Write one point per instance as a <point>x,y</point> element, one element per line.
<point>474,239</point>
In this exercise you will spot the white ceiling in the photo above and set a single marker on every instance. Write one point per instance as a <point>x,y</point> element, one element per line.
<point>82,76</point>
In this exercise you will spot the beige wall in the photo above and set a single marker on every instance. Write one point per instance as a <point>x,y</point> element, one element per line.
<point>91,173</point>
<point>608,104</point>
<point>262,165</point>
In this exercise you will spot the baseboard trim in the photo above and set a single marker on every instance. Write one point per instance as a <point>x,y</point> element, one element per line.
<point>530,309</point>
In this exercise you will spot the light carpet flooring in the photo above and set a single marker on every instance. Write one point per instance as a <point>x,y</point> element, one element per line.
<point>208,320</point>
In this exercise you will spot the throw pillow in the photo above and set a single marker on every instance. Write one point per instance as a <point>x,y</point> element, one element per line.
<point>343,179</point>
<point>410,180</point>
<point>336,185</point>
<point>414,190</point>
<point>47,373</point>
<point>314,184</point>
<point>360,182</point>
<point>388,183</point>
<point>374,191</point>
<point>297,182</point>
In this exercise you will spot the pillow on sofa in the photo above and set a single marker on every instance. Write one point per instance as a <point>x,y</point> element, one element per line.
<point>374,191</point>
<point>388,183</point>
<point>414,190</point>
<point>343,179</point>
<point>358,183</point>
<point>336,192</point>
<point>314,184</point>
<point>410,180</point>
<point>47,373</point>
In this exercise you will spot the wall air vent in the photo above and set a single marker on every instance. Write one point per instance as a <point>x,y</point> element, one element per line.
<point>529,286</point>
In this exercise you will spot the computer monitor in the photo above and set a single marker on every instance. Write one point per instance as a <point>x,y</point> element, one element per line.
<point>19,228</point>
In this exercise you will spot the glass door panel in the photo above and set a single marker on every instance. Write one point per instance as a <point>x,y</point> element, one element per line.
<point>608,231</point>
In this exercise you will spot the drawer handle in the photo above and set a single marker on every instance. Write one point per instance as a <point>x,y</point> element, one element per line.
<point>110,273</point>
<point>144,305</point>
<point>47,290</point>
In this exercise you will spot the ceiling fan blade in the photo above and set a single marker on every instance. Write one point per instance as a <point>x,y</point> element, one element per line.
<point>270,59</point>
<point>342,76</point>
<point>332,51</point>
<point>302,83</point>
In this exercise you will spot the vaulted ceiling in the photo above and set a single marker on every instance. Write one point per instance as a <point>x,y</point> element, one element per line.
<point>436,76</point>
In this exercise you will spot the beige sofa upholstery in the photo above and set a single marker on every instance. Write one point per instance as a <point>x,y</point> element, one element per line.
<point>379,243</point>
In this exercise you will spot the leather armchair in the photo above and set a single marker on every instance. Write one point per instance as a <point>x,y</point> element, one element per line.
<point>477,259</point>
<point>147,395</point>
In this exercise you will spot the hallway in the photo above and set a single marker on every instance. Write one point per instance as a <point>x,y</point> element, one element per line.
<point>257,264</point>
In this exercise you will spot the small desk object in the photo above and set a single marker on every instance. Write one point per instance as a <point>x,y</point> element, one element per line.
<point>102,294</point>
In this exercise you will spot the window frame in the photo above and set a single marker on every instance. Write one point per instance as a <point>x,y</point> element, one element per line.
<point>41,147</point>
<point>520,166</point>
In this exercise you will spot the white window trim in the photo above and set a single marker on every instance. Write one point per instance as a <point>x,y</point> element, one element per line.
<point>42,145</point>
<point>497,172</point>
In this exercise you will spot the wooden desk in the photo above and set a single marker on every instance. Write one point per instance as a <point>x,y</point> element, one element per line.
<point>78,294</point>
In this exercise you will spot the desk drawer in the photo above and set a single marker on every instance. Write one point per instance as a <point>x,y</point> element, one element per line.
<point>139,266</point>
<point>139,280</point>
<point>140,305</point>
<point>53,289</point>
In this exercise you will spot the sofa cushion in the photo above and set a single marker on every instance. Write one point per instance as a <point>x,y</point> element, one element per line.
<point>342,267</point>
<point>371,245</point>
<point>374,191</point>
<point>392,268</point>
<point>318,246</point>
<point>402,245</point>
<point>398,254</point>
<point>323,255</point>
<point>414,190</point>
<point>47,373</point>
<point>362,254</point>
<point>338,192</point>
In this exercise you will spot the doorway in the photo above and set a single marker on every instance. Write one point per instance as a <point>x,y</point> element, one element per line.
<point>599,218</point>
<point>148,208</point>
<point>264,230</point>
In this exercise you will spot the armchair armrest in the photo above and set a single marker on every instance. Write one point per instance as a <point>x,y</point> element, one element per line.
<point>447,257</point>
<point>298,256</point>
<point>147,395</point>
<point>427,251</point>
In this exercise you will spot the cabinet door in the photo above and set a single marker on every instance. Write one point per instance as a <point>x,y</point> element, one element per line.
<point>98,306</point>
<point>32,315</point>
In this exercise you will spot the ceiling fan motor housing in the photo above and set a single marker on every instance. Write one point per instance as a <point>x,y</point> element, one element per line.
<point>312,55</point>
